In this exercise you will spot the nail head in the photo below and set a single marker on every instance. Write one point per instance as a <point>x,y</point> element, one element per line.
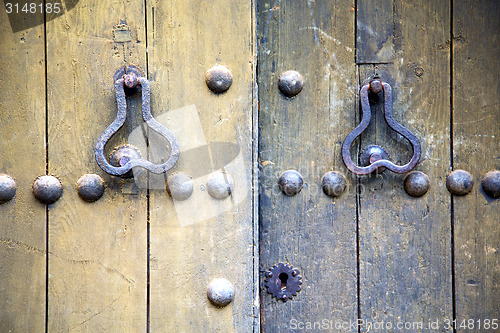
<point>219,185</point>
<point>290,83</point>
<point>180,186</point>
<point>333,183</point>
<point>90,187</point>
<point>8,188</point>
<point>416,183</point>
<point>220,292</point>
<point>291,182</point>
<point>459,182</point>
<point>491,183</point>
<point>47,189</point>
<point>219,79</point>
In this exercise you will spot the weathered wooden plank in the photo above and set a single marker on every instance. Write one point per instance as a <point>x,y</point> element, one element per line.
<point>98,251</point>
<point>201,238</point>
<point>22,156</point>
<point>476,129</point>
<point>375,30</point>
<point>404,242</point>
<point>311,231</point>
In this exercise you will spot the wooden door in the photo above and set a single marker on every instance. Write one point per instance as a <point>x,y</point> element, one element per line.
<point>371,259</point>
<point>135,260</point>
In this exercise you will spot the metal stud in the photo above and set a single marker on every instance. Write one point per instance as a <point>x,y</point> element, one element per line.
<point>290,83</point>
<point>219,185</point>
<point>7,188</point>
<point>220,292</point>
<point>290,182</point>
<point>90,187</point>
<point>47,189</point>
<point>122,154</point>
<point>491,183</point>
<point>333,183</point>
<point>219,79</point>
<point>179,186</point>
<point>459,182</point>
<point>372,154</point>
<point>416,183</point>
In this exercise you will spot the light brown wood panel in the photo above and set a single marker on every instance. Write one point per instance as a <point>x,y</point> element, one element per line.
<point>476,129</point>
<point>22,156</point>
<point>98,251</point>
<point>311,231</point>
<point>201,238</point>
<point>405,242</point>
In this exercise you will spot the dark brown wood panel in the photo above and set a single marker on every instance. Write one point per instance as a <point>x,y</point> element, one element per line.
<point>311,231</point>
<point>374,31</point>
<point>405,242</point>
<point>476,131</point>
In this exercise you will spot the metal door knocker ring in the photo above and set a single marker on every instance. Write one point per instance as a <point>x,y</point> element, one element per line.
<point>129,78</point>
<point>375,157</point>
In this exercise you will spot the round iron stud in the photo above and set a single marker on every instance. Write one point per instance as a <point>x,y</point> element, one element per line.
<point>372,154</point>
<point>121,155</point>
<point>90,187</point>
<point>291,182</point>
<point>219,79</point>
<point>179,186</point>
<point>333,183</point>
<point>7,188</point>
<point>290,83</point>
<point>459,182</point>
<point>47,189</point>
<point>220,292</point>
<point>416,184</point>
<point>219,185</point>
<point>491,183</point>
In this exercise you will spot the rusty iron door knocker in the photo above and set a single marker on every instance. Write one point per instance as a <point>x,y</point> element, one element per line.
<point>376,157</point>
<point>130,77</point>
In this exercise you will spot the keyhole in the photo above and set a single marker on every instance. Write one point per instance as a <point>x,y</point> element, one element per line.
<point>283,278</point>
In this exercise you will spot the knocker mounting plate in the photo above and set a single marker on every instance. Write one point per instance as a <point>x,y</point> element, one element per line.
<point>128,78</point>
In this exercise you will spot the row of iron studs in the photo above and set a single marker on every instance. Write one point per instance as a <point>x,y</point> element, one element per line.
<point>416,183</point>
<point>90,187</point>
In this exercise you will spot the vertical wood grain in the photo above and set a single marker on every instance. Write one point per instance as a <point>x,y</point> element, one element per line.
<point>374,31</point>
<point>476,129</point>
<point>311,231</point>
<point>201,238</point>
<point>22,156</point>
<point>405,242</point>
<point>97,259</point>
